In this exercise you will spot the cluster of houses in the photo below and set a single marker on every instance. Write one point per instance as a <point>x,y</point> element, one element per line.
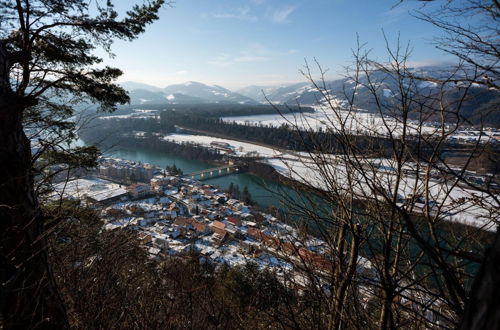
<point>174,215</point>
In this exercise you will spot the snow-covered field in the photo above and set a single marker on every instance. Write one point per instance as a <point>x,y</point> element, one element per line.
<point>355,122</point>
<point>310,121</point>
<point>458,203</point>
<point>239,148</point>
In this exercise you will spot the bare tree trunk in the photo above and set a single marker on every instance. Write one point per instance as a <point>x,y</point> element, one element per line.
<point>483,305</point>
<point>29,298</point>
<point>346,282</point>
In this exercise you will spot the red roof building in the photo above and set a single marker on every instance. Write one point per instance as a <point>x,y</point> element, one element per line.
<point>234,220</point>
<point>200,227</point>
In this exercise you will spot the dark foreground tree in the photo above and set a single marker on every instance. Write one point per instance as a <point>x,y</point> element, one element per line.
<point>46,59</point>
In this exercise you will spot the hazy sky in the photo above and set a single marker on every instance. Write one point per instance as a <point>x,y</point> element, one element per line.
<point>235,43</point>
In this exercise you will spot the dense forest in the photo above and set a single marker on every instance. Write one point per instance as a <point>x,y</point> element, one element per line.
<point>214,110</point>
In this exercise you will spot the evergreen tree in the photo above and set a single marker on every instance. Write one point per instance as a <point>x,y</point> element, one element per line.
<point>47,64</point>
<point>236,192</point>
<point>245,196</point>
<point>230,189</point>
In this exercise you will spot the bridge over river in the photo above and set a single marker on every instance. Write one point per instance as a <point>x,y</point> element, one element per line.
<point>213,172</point>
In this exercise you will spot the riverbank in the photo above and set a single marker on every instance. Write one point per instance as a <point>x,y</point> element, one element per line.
<point>279,195</point>
<point>295,172</point>
<point>261,177</point>
<point>261,187</point>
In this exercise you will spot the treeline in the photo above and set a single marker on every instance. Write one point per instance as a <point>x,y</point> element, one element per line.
<point>112,131</point>
<point>284,136</point>
<point>219,109</point>
<point>125,125</point>
<point>185,150</point>
<point>108,131</point>
<point>109,138</point>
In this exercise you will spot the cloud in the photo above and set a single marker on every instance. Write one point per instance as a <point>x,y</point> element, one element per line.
<point>221,60</point>
<point>254,52</point>
<point>427,62</point>
<point>281,15</point>
<point>250,58</point>
<point>181,73</point>
<point>242,14</point>
<point>225,60</point>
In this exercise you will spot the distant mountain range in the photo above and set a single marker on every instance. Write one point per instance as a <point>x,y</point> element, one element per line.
<point>305,94</point>
<point>481,103</point>
<point>195,92</point>
<point>275,94</point>
<point>188,93</point>
<point>131,85</point>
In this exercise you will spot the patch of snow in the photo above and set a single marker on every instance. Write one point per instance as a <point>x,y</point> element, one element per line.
<point>387,92</point>
<point>239,148</point>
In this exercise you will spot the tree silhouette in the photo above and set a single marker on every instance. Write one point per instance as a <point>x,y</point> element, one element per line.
<point>47,65</point>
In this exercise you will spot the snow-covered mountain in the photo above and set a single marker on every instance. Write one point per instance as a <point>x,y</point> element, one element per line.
<point>306,94</point>
<point>142,96</point>
<point>303,93</point>
<point>188,93</point>
<point>262,93</point>
<point>481,101</point>
<point>386,88</point>
<point>132,85</point>
<point>211,94</point>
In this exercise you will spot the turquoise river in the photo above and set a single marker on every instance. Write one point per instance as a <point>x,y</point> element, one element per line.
<point>264,192</point>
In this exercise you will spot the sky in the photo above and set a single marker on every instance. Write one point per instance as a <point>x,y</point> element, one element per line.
<point>237,43</point>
